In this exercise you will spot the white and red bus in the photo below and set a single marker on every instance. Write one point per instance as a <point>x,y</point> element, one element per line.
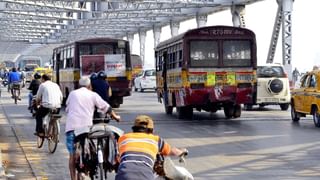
<point>84,57</point>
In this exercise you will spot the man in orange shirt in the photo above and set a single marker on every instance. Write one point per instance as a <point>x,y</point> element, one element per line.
<point>138,151</point>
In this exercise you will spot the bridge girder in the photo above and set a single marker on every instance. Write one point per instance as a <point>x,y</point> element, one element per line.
<point>26,15</point>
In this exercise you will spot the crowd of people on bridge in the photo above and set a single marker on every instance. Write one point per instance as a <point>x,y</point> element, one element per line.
<point>137,150</point>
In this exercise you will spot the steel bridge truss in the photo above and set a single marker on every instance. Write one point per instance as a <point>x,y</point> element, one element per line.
<point>62,21</point>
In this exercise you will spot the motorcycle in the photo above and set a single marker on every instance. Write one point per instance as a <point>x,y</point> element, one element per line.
<point>166,169</point>
<point>34,107</point>
<point>5,82</point>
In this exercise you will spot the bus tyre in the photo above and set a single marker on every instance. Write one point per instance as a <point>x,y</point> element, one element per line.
<point>228,111</point>
<point>237,111</point>
<point>168,109</point>
<point>185,112</point>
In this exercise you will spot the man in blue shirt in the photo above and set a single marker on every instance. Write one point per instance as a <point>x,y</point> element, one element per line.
<point>101,86</point>
<point>14,78</point>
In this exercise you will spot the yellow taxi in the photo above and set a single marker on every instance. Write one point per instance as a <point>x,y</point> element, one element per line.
<point>42,70</point>
<point>305,99</point>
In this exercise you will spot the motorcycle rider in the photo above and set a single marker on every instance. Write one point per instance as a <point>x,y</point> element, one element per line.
<point>139,148</point>
<point>34,86</point>
<point>14,78</point>
<point>101,86</point>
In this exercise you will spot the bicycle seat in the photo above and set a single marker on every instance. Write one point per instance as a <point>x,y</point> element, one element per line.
<point>101,120</point>
<point>54,111</point>
<point>100,130</point>
<point>56,116</point>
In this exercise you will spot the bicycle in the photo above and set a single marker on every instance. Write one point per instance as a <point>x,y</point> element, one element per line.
<point>51,126</point>
<point>16,92</point>
<point>96,149</point>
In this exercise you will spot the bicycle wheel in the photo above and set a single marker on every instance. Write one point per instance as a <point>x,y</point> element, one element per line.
<point>40,141</point>
<point>53,136</point>
<point>101,172</point>
<point>15,96</point>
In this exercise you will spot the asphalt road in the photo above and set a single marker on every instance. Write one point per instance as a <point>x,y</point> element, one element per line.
<point>261,144</point>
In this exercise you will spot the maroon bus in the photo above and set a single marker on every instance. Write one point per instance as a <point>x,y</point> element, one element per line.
<point>209,68</point>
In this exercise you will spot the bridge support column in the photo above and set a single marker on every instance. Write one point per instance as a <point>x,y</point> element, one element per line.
<point>156,35</point>
<point>174,26</point>
<point>201,20</point>
<point>238,12</point>
<point>130,39</point>
<point>287,35</point>
<point>142,40</point>
<point>88,15</point>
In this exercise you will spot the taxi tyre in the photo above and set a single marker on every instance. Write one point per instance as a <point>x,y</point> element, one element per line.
<point>316,117</point>
<point>284,107</point>
<point>275,86</point>
<point>294,115</point>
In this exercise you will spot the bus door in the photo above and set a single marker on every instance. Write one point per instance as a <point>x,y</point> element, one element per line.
<point>168,105</point>
<point>57,68</point>
<point>164,71</point>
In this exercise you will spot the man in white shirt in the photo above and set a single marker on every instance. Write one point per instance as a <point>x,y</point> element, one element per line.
<point>81,104</point>
<point>49,96</point>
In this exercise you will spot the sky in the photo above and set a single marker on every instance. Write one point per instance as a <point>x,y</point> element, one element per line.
<point>260,17</point>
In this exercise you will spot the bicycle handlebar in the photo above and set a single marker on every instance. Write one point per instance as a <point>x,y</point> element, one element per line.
<point>183,155</point>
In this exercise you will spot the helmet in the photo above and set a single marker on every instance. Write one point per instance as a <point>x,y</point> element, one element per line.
<point>143,121</point>
<point>37,75</point>
<point>102,75</point>
<point>93,76</point>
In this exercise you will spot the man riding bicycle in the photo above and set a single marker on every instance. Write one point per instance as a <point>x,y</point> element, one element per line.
<point>14,79</point>
<point>49,96</point>
<point>81,104</point>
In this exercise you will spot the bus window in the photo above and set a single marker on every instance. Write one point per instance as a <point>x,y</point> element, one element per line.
<point>204,53</point>
<point>102,49</point>
<point>84,49</point>
<point>236,53</point>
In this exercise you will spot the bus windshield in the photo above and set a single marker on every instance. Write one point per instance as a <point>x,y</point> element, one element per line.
<point>91,49</point>
<point>31,67</point>
<point>237,53</point>
<point>206,53</point>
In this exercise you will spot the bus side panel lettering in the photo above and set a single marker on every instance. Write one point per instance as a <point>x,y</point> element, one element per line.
<point>115,65</point>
